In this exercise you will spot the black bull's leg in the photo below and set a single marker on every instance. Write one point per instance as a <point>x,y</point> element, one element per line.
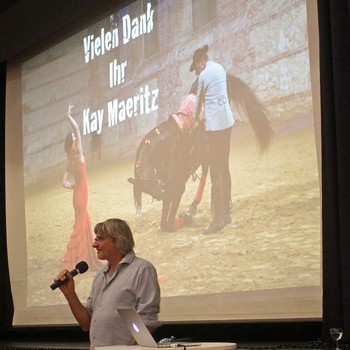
<point>171,201</point>
<point>181,165</point>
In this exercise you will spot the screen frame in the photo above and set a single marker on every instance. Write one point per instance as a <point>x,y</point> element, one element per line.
<point>173,309</point>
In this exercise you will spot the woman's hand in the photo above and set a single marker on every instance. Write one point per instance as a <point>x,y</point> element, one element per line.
<point>70,107</point>
<point>67,185</point>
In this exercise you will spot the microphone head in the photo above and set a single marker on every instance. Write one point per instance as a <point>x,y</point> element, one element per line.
<point>82,266</point>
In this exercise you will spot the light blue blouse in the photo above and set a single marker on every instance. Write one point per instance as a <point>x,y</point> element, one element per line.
<point>212,90</point>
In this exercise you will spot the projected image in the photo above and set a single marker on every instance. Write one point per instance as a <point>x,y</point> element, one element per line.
<point>123,92</point>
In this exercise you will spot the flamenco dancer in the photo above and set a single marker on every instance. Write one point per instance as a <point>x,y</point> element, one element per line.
<point>81,240</point>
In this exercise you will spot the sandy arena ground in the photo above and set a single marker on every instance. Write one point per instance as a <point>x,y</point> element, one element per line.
<point>274,241</point>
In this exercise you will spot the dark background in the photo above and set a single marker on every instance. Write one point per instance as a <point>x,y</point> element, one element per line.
<point>24,23</point>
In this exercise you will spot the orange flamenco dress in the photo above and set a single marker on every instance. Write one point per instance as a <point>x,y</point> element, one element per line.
<point>80,247</point>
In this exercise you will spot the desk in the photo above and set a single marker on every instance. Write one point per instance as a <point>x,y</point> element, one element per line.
<point>205,346</point>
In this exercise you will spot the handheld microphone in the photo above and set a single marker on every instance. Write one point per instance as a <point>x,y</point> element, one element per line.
<point>80,267</point>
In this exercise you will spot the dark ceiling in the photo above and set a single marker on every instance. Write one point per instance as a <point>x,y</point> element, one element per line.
<point>26,22</point>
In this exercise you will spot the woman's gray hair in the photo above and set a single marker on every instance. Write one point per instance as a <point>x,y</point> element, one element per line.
<point>119,231</point>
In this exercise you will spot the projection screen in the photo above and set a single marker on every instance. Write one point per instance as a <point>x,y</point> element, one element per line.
<point>125,74</point>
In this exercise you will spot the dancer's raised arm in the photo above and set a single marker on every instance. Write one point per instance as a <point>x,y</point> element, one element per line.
<point>75,126</point>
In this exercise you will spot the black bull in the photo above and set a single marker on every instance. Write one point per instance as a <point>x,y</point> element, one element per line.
<point>167,156</point>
